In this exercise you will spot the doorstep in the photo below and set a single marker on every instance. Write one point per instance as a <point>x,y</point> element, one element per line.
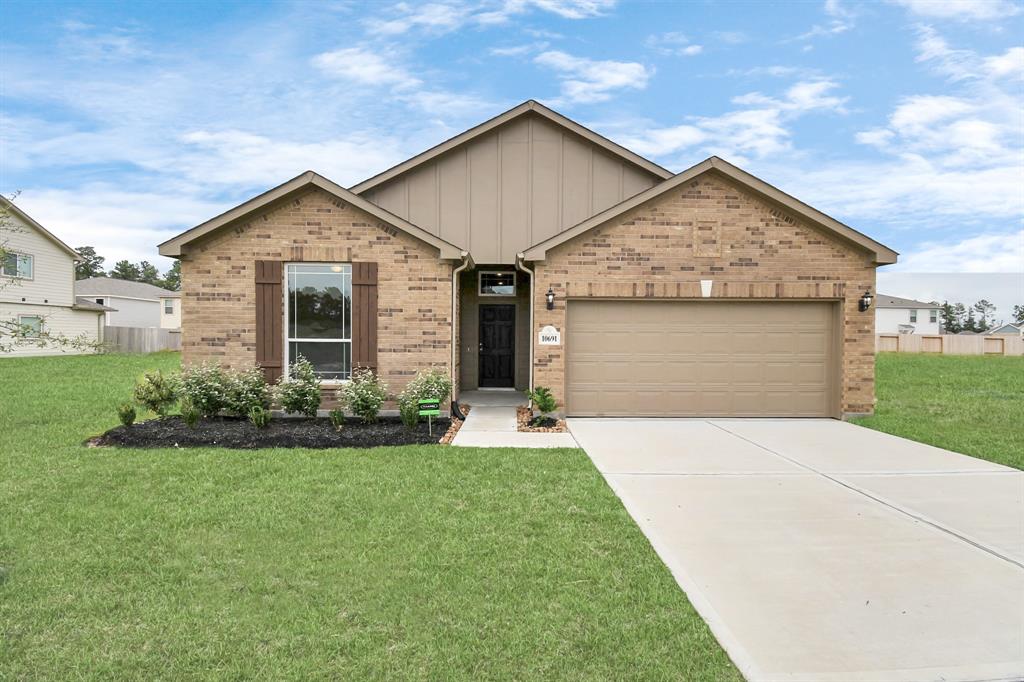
<point>495,427</point>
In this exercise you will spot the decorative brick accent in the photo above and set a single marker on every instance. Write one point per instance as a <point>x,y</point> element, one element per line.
<point>414,285</point>
<point>711,229</point>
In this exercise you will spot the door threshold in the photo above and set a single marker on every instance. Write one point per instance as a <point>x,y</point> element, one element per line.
<point>495,388</point>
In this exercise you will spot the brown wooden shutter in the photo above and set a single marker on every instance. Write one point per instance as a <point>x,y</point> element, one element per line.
<point>364,315</point>
<point>269,319</point>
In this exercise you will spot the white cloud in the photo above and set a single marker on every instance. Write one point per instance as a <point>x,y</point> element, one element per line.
<point>364,65</point>
<point>430,18</point>
<point>1010,63</point>
<point>586,80</point>
<point>962,9</point>
<point>730,37</point>
<point>840,20</point>
<point>567,9</point>
<point>673,44</point>
<point>438,18</point>
<point>981,253</point>
<point>518,50</point>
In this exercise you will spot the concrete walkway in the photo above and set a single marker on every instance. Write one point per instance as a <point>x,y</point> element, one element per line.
<point>819,551</point>
<point>492,423</point>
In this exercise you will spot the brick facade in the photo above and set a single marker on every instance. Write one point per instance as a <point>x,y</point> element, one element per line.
<point>710,228</point>
<point>414,285</point>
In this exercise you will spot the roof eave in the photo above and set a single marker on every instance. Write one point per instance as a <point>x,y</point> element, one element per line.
<point>8,204</point>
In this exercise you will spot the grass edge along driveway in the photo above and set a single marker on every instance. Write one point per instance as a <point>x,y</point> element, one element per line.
<point>417,562</point>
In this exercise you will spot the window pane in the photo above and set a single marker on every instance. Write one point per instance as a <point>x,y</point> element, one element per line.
<point>10,264</point>
<point>332,361</point>
<point>498,283</point>
<point>32,325</point>
<point>24,266</point>
<point>320,301</point>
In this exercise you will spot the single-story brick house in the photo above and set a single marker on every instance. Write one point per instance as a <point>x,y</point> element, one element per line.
<point>531,251</point>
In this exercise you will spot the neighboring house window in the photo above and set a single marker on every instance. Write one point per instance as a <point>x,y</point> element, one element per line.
<point>168,306</point>
<point>318,317</point>
<point>913,316</point>
<point>933,316</point>
<point>497,284</point>
<point>32,325</point>
<point>16,265</point>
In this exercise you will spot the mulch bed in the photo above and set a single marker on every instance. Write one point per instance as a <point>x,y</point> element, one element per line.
<point>231,432</point>
<point>456,424</point>
<point>524,415</point>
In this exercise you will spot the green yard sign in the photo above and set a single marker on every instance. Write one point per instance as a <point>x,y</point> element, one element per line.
<point>430,408</point>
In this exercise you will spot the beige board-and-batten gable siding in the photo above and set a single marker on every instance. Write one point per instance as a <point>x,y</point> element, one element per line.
<point>712,228</point>
<point>219,283</point>
<point>514,186</point>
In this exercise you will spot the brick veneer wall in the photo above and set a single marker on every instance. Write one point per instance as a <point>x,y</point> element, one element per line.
<point>414,286</point>
<point>710,228</point>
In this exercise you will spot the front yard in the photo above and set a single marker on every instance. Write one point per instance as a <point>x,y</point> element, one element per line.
<point>966,403</point>
<point>418,562</point>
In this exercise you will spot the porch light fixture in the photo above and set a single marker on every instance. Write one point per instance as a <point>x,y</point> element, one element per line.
<point>550,298</point>
<point>865,300</point>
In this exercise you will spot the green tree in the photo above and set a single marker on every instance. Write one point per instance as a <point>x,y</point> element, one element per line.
<point>1018,314</point>
<point>971,324</point>
<point>951,322</point>
<point>172,280</point>
<point>126,270</point>
<point>149,274</point>
<point>91,264</point>
<point>986,315</point>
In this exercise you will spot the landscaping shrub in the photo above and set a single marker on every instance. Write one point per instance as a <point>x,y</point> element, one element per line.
<point>259,416</point>
<point>246,390</point>
<point>543,402</point>
<point>337,418</point>
<point>364,394</point>
<point>300,392</point>
<point>206,386</point>
<point>156,391</point>
<point>189,414</point>
<point>126,413</point>
<point>428,384</point>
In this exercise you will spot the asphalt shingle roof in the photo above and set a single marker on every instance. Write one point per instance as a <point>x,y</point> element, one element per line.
<point>108,286</point>
<point>887,301</point>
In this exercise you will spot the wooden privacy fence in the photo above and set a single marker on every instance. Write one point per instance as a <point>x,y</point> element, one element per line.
<point>141,339</point>
<point>950,344</point>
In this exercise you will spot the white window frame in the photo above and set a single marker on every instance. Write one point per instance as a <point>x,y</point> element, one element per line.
<point>480,283</point>
<point>18,255</point>
<point>168,301</point>
<point>288,339</point>
<point>36,317</point>
<point>933,316</point>
<point>913,317</point>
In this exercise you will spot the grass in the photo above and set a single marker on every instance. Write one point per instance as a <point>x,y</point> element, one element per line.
<point>421,562</point>
<point>972,404</point>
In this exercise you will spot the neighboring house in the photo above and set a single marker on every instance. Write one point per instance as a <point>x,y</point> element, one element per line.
<point>895,315</point>
<point>37,288</point>
<point>1007,330</point>
<point>137,304</point>
<point>530,251</point>
<point>170,310</point>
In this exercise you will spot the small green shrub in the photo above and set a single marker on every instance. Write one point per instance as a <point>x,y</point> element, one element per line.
<point>428,384</point>
<point>337,418</point>
<point>207,388</point>
<point>259,416</point>
<point>246,390</point>
<point>543,402</point>
<point>189,414</point>
<point>126,413</point>
<point>364,394</point>
<point>300,392</point>
<point>157,392</point>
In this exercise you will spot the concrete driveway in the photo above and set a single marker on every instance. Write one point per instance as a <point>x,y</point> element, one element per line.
<point>821,551</point>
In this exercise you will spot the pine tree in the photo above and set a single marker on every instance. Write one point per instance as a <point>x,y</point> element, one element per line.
<point>1018,314</point>
<point>172,280</point>
<point>91,264</point>
<point>125,270</point>
<point>951,324</point>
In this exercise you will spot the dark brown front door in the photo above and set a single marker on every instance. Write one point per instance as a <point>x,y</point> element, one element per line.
<point>497,346</point>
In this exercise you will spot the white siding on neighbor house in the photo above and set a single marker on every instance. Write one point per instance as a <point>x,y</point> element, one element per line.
<point>888,320</point>
<point>131,312</point>
<point>57,320</point>
<point>53,268</point>
<point>172,320</point>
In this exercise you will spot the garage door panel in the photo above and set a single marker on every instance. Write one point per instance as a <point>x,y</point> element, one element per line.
<point>699,358</point>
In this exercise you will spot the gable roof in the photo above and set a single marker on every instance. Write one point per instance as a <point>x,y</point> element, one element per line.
<point>173,247</point>
<point>527,107</point>
<point>883,254</point>
<point>111,286</point>
<point>10,206</point>
<point>1008,328</point>
<point>887,301</point>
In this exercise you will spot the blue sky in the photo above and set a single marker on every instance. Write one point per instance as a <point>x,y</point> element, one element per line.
<point>125,123</point>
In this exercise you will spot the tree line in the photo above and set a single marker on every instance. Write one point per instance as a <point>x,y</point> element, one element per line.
<point>91,265</point>
<point>979,318</point>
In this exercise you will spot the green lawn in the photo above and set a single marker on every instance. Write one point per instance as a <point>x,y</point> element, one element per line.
<point>968,403</point>
<point>394,563</point>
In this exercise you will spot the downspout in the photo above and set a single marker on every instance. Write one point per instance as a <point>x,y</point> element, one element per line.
<point>466,260</point>
<point>521,266</point>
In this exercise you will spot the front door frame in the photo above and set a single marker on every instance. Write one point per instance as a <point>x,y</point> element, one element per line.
<point>511,383</point>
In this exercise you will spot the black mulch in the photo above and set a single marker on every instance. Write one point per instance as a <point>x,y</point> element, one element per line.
<point>229,432</point>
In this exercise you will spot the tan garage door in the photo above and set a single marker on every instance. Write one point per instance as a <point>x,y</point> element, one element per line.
<point>700,358</point>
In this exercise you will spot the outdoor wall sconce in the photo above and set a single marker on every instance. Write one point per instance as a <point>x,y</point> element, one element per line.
<point>865,300</point>
<point>550,298</point>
